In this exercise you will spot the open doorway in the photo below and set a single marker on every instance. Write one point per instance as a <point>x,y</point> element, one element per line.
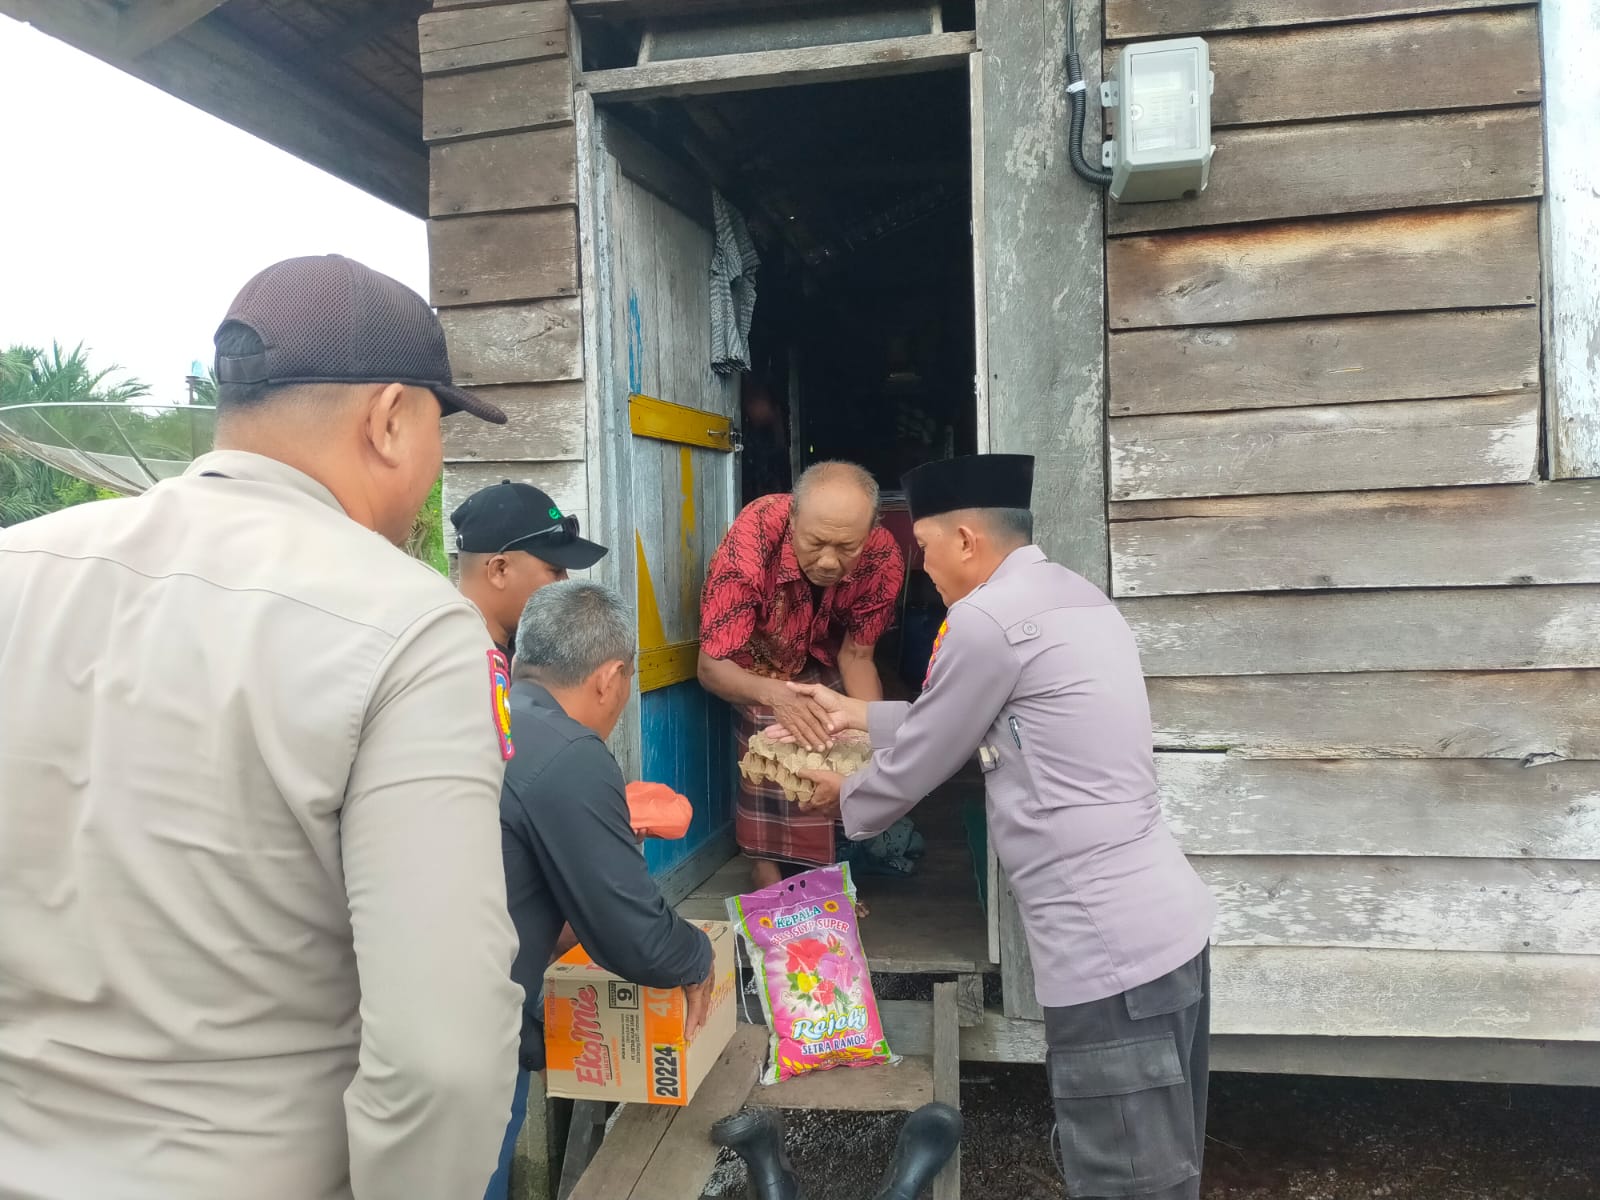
<point>858,200</point>
<point>862,346</point>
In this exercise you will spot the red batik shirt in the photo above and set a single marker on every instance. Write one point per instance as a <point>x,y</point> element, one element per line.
<point>760,612</point>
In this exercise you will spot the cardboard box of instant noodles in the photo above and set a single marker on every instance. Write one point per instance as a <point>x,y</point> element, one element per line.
<point>608,1039</point>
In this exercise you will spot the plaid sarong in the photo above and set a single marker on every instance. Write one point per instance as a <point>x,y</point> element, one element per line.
<point>766,824</point>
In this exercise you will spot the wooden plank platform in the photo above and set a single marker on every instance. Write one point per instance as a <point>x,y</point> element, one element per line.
<point>931,922</point>
<point>659,1153</point>
<point>904,1086</point>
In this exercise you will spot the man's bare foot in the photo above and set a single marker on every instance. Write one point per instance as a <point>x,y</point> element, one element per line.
<point>764,873</point>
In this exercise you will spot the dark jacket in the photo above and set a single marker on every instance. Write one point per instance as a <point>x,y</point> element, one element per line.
<point>571,857</point>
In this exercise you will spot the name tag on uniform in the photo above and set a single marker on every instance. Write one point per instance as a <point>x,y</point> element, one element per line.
<point>988,758</point>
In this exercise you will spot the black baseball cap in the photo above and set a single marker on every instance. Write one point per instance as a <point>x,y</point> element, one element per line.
<point>518,516</point>
<point>329,319</point>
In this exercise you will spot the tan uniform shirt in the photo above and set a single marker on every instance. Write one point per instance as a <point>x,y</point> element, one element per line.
<point>247,750</point>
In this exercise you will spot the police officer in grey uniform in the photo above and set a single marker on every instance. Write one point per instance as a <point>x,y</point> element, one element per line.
<point>253,930</point>
<point>1037,674</point>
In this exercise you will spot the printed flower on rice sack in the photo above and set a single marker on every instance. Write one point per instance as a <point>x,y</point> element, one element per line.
<point>805,954</point>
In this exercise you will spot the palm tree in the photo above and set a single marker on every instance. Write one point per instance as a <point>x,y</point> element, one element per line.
<point>29,375</point>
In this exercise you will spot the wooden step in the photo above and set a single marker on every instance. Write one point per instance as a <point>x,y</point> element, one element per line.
<point>658,1153</point>
<point>900,1086</point>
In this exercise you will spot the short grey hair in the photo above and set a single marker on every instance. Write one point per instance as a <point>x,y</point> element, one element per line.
<point>835,472</point>
<point>569,630</point>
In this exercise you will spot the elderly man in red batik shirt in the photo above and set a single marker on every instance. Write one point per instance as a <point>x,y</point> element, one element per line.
<point>801,589</point>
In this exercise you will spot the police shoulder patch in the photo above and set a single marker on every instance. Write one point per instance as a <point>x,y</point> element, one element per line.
<point>938,641</point>
<point>500,698</point>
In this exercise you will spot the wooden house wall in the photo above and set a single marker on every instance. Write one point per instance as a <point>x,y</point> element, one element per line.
<point>502,232</point>
<point>1369,625</point>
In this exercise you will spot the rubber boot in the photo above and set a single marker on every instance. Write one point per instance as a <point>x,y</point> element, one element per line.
<point>756,1136</point>
<point>927,1140</point>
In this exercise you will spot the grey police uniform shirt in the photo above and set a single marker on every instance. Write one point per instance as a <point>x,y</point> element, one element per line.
<point>253,930</point>
<point>1038,674</point>
<point>571,857</point>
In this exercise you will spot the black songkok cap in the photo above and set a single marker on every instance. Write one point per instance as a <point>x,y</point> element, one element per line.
<point>974,481</point>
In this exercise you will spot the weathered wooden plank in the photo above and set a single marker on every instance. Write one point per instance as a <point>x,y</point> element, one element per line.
<point>1222,804</point>
<point>1045,314</point>
<point>1346,360</point>
<point>969,1000</point>
<point>1469,537</point>
<point>614,10</point>
<point>1456,629</point>
<point>533,1155</point>
<point>544,422</point>
<point>926,924</point>
<point>536,342</point>
<point>1480,257</point>
<point>652,169</point>
<point>782,68</point>
<point>1462,1060</point>
<point>1375,164</point>
<point>947,1079</point>
<point>905,1086</point>
<point>504,256</point>
<point>1408,714</point>
<point>146,24</point>
<point>1169,18</point>
<point>534,169</point>
<point>1309,991</point>
<point>625,1153</point>
<point>497,99</point>
<point>1471,904</point>
<point>1346,447</point>
<point>795,29</point>
<point>478,37</point>
<point>682,1163</point>
<point>1572,231</point>
<point>1426,64</point>
<point>565,482</point>
<point>1405,993</point>
<point>586,1131</point>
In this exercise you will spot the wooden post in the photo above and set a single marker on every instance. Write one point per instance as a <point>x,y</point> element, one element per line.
<point>969,1000</point>
<point>947,1078</point>
<point>531,1161</point>
<point>1044,246</point>
<point>1571,228</point>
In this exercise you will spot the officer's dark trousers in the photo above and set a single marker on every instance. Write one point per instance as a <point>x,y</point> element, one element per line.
<point>1129,1075</point>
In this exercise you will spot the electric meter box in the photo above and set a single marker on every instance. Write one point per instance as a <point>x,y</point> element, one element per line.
<point>1159,98</point>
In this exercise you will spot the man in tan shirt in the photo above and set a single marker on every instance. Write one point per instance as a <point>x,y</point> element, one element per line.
<point>253,932</point>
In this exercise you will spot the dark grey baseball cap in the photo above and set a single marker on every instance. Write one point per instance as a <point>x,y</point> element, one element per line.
<point>329,319</point>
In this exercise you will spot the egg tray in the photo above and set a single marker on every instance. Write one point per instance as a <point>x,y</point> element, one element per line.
<point>781,763</point>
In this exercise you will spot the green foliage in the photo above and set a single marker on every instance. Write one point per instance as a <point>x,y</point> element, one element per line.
<point>29,375</point>
<point>29,488</point>
<point>427,535</point>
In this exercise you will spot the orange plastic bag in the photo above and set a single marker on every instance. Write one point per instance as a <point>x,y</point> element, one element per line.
<point>655,810</point>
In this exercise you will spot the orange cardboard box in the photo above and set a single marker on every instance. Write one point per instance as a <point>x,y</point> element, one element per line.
<point>608,1039</point>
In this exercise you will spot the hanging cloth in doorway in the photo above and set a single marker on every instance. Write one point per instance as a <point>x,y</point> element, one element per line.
<point>733,288</point>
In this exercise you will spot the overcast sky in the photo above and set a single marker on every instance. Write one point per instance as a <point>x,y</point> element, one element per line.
<point>128,219</point>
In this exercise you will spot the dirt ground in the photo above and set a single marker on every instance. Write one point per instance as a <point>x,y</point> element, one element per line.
<point>1269,1138</point>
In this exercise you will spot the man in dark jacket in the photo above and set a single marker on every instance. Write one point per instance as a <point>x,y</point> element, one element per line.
<point>570,852</point>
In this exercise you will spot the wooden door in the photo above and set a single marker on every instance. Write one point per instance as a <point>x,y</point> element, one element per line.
<point>672,488</point>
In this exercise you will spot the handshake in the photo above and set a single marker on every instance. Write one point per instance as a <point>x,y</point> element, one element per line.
<point>810,718</point>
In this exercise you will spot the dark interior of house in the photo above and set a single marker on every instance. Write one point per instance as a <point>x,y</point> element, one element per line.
<point>858,198</point>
